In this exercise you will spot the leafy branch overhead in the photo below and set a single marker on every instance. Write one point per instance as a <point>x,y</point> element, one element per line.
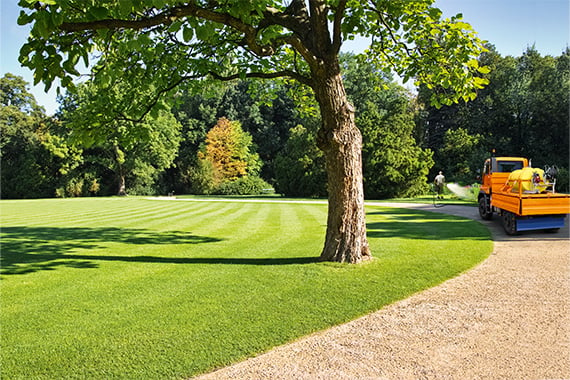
<point>157,44</point>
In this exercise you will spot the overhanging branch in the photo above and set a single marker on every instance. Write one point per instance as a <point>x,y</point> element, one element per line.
<point>274,75</point>
<point>157,97</point>
<point>169,16</point>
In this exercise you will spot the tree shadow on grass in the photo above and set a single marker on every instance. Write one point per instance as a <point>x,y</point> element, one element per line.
<point>31,249</point>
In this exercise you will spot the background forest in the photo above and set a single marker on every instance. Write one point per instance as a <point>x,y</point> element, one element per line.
<point>245,137</point>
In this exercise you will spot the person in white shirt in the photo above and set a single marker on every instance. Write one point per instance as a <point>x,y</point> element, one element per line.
<point>439,182</point>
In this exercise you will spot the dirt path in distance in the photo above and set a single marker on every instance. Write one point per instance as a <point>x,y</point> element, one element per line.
<point>508,318</point>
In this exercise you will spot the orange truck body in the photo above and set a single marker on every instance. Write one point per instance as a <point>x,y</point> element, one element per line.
<point>521,210</point>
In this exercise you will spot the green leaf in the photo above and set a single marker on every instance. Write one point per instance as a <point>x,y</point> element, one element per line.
<point>187,34</point>
<point>125,7</point>
<point>103,79</point>
<point>99,12</point>
<point>473,63</point>
<point>203,32</point>
<point>41,27</point>
<point>57,18</point>
<point>134,44</point>
<point>175,27</point>
<point>69,66</point>
<point>24,18</point>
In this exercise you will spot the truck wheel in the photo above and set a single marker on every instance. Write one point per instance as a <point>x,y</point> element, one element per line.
<point>485,209</point>
<point>509,223</point>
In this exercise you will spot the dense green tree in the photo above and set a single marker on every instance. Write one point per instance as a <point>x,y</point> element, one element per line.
<point>299,168</point>
<point>33,158</point>
<point>461,155</point>
<point>158,44</point>
<point>134,151</point>
<point>394,164</point>
<point>267,112</point>
<point>197,113</point>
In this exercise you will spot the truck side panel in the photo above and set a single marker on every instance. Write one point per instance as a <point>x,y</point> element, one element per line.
<point>545,205</point>
<point>506,201</point>
<point>498,180</point>
<point>535,204</point>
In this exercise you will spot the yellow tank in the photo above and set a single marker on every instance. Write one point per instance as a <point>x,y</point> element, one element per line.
<point>531,180</point>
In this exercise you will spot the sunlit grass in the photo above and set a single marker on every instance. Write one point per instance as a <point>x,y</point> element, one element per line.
<point>149,289</point>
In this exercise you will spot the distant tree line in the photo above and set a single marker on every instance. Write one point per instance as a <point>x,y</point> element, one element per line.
<point>244,137</point>
<point>524,111</point>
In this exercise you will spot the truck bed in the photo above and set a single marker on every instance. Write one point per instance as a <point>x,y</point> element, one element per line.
<point>532,204</point>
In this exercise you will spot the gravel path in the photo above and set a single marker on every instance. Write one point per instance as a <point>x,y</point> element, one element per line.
<point>508,318</point>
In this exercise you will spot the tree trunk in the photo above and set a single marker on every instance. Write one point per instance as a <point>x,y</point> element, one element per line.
<point>122,185</point>
<point>341,142</point>
<point>120,159</point>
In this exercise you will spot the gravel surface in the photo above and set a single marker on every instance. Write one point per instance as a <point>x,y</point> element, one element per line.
<point>508,318</point>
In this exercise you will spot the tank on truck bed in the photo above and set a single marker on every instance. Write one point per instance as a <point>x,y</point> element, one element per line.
<point>523,196</point>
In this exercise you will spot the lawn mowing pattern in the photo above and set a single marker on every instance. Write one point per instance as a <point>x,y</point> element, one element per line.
<point>135,288</point>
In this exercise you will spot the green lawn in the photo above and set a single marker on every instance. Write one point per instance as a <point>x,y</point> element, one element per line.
<point>149,289</point>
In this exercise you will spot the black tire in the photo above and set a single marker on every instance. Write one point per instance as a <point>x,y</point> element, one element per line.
<point>509,223</point>
<point>485,208</point>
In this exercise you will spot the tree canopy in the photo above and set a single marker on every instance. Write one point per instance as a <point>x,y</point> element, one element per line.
<point>158,44</point>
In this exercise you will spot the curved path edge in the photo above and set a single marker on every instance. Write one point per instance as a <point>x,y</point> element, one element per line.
<point>507,318</point>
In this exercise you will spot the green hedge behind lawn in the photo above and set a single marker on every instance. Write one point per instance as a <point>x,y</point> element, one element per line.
<point>149,289</point>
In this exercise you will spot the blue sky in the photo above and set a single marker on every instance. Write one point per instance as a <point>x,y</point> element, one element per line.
<point>511,25</point>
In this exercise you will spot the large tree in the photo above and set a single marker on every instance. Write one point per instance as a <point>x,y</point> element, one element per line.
<point>138,153</point>
<point>32,155</point>
<point>158,44</point>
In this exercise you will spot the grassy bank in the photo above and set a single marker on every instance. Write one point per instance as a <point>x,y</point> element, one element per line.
<point>135,288</point>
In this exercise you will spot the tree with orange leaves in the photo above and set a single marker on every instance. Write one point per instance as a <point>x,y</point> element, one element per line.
<point>228,149</point>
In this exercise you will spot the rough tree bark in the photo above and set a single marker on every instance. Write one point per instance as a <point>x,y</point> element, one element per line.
<point>341,142</point>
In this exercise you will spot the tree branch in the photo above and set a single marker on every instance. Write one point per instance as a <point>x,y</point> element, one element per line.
<point>171,15</point>
<point>391,33</point>
<point>157,97</point>
<point>274,75</point>
<point>295,18</point>
<point>337,32</point>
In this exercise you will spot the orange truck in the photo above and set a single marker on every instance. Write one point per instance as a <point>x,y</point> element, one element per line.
<point>524,197</point>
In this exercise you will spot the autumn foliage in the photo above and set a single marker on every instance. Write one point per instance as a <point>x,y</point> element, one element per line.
<point>227,149</point>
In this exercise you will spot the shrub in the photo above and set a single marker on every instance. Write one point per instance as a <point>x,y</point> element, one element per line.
<point>243,186</point>
<point>201,177</point>
<point>60,192</point>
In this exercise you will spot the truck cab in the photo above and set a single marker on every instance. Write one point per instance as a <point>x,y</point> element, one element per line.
<point>496,171</point>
